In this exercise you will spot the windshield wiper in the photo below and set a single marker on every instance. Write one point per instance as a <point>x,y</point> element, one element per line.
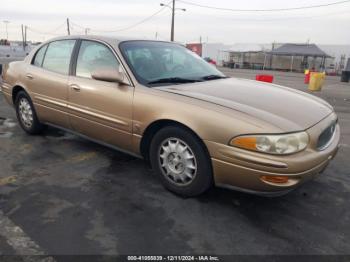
<point>213,77</point>
<point>175,80</point>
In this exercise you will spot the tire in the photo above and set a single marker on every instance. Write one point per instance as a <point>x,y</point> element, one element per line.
<point>26,114</point>
<point>176,154</point>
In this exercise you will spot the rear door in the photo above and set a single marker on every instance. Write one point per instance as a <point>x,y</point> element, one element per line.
<point>47,81</point>
<point>98,109</point>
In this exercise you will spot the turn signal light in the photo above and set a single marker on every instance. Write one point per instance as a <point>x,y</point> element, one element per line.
<point>246,142</point>
<point>275,179</point>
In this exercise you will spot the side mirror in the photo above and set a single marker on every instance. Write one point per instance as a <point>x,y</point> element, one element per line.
<point>108,75</point>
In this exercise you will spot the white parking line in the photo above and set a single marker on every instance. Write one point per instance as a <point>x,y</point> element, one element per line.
<point>21,242</point>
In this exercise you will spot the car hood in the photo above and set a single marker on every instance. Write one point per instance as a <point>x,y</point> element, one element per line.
<point>286,108</point>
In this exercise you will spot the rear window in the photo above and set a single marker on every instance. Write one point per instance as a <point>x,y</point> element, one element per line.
<point>58,55</point>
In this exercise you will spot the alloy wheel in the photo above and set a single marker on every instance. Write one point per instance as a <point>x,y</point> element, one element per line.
<point>178,162</point>
<point>25,112</point>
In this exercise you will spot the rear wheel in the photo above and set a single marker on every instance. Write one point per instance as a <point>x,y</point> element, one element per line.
<point>181,161</point>
<point>26,114</point>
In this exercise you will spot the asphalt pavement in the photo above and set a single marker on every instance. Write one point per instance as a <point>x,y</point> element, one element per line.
<point>63,195</point>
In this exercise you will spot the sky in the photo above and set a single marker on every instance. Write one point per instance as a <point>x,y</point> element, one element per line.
<point>46,19</point>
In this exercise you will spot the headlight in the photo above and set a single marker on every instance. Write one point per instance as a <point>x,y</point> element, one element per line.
<point>273,144</point>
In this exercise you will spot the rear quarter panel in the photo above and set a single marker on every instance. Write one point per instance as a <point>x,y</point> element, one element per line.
<point>12,76</point>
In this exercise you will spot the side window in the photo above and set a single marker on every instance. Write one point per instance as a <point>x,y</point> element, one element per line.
<point>58,55</point>
<point>92,56</point>
<point>38,59</point>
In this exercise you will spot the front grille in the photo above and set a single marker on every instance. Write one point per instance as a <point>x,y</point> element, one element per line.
<point>326,136</point>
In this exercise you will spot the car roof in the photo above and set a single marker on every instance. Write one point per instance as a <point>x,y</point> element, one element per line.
<point>114,40</point>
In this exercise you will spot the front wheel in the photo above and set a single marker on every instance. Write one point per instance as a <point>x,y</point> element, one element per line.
<point>181,161</point>
<point>26,114</point>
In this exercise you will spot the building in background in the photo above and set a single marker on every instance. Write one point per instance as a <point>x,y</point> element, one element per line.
<point>244,56</point>
<point>208,50</point>
<point>284,57</point>
<point>331,58</point>
<point>196,48</point>
<point>297,57</point>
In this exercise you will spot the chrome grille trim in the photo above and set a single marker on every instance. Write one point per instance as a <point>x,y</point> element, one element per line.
<point>329,132</point>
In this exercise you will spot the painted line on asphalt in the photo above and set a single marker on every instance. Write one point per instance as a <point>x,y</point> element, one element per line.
<point>21,242</point>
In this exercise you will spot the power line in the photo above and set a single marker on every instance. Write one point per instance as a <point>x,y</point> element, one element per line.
<point>82,27</point>
<point>40,32</point>
<point>287,18</point>
<point>51,32</point>
<point>263,10</point>
<point>128,27</point>
<point>134,25</point>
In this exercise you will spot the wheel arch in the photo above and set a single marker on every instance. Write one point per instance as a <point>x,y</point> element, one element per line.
<point>15,90</point>
<point>157,125</point>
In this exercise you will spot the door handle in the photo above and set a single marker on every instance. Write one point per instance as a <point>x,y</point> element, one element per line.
<point>75,87</point>
<point>29,76</point>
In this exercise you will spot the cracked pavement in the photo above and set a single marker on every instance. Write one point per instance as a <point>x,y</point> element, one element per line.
<point>72,196</point>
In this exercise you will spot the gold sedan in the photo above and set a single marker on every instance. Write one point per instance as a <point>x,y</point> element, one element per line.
<point>160,101</point>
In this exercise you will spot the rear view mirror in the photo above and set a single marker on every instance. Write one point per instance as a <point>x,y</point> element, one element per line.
<point>108,75</point>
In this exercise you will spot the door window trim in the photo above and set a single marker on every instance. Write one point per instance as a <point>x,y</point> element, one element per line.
<point>75,55</point>
<point>36,53</point>
<point>47,44</point>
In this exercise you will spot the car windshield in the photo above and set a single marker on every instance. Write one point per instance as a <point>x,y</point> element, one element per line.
<point>161,63</point>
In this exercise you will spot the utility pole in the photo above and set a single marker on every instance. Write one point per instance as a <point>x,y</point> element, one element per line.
<point>172,17</point>
<point>68,27</point>
<point>172,22</point>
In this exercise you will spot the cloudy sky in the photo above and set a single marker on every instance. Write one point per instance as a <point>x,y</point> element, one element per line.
<point>46,19</point>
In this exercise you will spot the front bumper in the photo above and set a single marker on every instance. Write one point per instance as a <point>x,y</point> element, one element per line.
<point>242,170</point>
